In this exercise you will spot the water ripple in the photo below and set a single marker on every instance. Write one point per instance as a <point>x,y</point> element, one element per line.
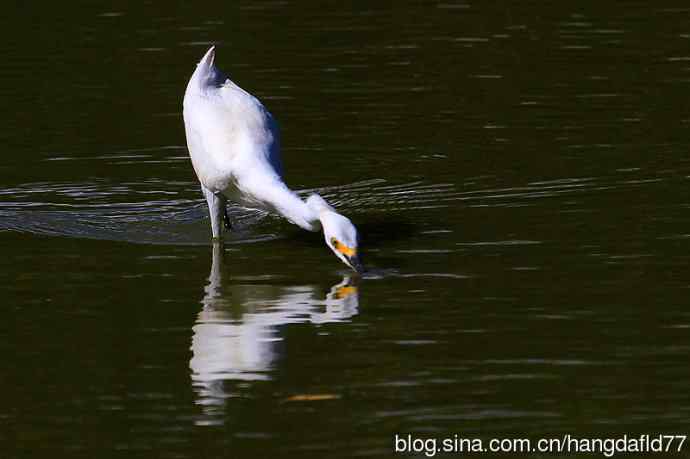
<point>155,211</point>
<point>158,211</point>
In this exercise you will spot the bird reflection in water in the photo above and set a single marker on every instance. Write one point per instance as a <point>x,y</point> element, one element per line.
<point>236,334</point>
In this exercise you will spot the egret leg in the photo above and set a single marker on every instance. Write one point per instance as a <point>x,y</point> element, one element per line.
<point>216,209</point>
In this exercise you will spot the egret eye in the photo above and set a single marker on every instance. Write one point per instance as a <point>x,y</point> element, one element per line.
<point>335,242</point>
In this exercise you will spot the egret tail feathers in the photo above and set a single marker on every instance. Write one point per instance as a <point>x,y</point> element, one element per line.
<point>206,73</point>
<point>206,62</point>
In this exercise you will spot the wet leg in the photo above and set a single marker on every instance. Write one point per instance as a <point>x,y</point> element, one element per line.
<point>216,209</point>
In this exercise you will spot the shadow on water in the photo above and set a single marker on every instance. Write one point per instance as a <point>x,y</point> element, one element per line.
<point>236,336</point>
<point>372,231</point>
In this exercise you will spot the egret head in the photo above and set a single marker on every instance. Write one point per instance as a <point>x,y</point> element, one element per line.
<point>339,232</point>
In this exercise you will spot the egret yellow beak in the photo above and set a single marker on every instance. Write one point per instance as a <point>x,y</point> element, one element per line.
<point>350,255</point>
<point>345,250</point>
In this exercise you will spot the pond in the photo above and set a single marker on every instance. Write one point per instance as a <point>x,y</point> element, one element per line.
<point>518,175</point>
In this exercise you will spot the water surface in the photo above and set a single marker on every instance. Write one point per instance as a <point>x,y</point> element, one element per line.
<point>519,177</point>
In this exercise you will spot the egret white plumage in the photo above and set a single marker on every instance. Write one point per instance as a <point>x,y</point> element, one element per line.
<point>234,145</point>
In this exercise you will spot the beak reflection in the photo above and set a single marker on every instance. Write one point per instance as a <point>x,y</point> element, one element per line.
<point>237,333</point>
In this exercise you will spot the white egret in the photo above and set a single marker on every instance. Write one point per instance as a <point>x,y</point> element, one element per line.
<point>234,145</point>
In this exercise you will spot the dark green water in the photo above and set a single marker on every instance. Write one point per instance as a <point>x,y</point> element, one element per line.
<point>519,176</point>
